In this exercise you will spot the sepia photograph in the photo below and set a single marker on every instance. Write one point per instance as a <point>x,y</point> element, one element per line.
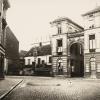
<point>49,49</point>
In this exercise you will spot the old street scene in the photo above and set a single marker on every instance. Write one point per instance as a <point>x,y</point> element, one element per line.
<point>49,50</point>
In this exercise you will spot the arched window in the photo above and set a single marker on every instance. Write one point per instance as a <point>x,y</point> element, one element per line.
<point>92,63</point>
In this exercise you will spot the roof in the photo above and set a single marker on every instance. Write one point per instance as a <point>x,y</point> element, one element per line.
<point>22,53</point>
<point>12,45</point>
<point>11,34</point>
<point>97,9</point>
<point>41,51</point>
<point>66,19</point>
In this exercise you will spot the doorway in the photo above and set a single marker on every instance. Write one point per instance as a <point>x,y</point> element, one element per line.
<point>60,67</point>
<point>76,60</point>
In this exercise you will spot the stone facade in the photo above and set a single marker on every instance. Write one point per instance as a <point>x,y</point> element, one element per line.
<point>92,43</point>
<point>76,50</point>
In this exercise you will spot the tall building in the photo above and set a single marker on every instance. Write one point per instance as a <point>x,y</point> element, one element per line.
<point>4,5</point>
<point>76,50</point>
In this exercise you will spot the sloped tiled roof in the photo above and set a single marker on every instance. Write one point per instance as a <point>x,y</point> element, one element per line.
<point>11,34</point>
<point>97,9</point>
<point>41,51</point>
<point>12,45</point>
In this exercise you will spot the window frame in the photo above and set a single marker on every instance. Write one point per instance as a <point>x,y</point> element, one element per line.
<point>59,28</point>
<point>29,61</point>
<point>59,46</point>
<point>92,44</point>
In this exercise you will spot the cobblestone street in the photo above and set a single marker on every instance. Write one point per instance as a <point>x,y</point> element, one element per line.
<point>47,88</point>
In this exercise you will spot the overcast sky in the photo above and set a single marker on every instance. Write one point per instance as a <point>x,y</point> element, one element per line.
<point>30,19</point>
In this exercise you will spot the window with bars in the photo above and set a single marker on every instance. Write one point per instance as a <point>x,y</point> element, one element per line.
<point>92,43</point>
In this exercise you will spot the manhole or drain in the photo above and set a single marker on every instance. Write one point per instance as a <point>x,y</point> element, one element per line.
<point>58,85</point>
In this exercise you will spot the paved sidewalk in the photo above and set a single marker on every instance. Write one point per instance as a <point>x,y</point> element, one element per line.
<point>7,85</point>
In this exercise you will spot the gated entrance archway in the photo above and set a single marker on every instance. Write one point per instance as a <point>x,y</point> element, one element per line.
<point>76,60</point>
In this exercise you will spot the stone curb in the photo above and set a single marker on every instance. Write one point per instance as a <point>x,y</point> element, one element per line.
<point>9,91</point>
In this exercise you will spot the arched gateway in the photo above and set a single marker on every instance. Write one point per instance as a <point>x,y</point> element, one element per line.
<point>76,60</point>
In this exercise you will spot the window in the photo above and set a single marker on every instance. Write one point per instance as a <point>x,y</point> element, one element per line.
<point>92,43</point>
<point>28,61</point>
<point>59,46</point>
<point>50,59</point>
<point>59,29</point>
<point>91,23</point>
<point>59,42</point>
<point>43,62</point>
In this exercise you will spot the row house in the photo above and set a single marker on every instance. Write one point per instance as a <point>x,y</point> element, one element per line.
<point>4,5</point>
